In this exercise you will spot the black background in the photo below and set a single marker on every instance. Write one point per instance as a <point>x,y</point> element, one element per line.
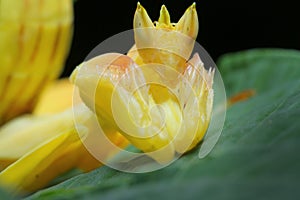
<point>225,25</point>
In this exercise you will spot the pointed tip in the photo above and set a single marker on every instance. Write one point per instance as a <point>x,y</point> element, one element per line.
<point>164,17</point>
<point>139,6</point>
<point>193,6</point>
<point>141,18</point>
<point>188,23</point>
<point>195,59</point>
<point>164,10</point>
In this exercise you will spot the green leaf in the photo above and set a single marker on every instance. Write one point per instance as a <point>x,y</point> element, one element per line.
<point>260,69</point>
<point>257,156</point>
<point>5,195</point>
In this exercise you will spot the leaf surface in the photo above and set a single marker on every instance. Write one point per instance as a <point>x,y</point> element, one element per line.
<point>257,155</point>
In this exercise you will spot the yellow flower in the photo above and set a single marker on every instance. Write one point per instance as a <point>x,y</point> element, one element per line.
<point>42,146</point>
<point>168,117</point>
<point>35,38</point>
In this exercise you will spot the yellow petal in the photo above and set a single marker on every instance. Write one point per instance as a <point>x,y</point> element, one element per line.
<point>57,97</point>
<point>87,161</point>
<point>141,18</point>
<point>29,131</point>
<point>188,23</point>
<point>164,20</point>
<point>30,172</point>
<point>134,55</point>
<point>30,141</point>
<point>25,133</point>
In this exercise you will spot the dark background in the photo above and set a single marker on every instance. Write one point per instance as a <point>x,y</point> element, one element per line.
<point>224,25</point>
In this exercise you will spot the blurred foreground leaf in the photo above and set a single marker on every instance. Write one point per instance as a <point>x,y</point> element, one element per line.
<point>257,155</point>
<point>5,195</point>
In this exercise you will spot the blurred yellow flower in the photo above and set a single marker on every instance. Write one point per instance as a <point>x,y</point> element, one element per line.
<point>35,38</point>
